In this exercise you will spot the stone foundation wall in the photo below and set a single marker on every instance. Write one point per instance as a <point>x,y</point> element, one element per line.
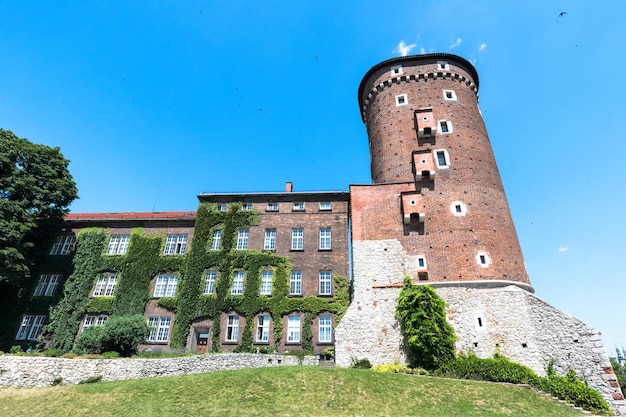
<point>486,316</point>
<point>28,371</point>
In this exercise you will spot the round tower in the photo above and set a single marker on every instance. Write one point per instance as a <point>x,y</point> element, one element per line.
<point>426,132</point>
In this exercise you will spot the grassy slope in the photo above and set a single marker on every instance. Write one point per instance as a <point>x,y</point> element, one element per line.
<point>283,391</point>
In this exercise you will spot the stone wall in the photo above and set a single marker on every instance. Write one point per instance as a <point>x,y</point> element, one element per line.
<point>29,371</point>
<point>487,316</point>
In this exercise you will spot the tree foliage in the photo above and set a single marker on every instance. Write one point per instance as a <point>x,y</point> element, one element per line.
<point>120,334</point>
<point>427,334</point>
<point>35,185</point>
<point>619,367</point>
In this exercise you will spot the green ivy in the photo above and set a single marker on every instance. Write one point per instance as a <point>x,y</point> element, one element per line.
<point>100,305</point>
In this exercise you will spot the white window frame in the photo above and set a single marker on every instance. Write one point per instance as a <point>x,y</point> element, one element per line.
<point>222,207</point>
<point>266,282</point>
<point>209,282</point>
<point>443,65</point>
<point>270,239</point>
<point>47,285</point>
<point>297,239</point>
<point>118,244</point>
<point>295,283</point>
<point>232,328</point>
<point>421,263</point>
<point>326,283</point>
<point>458,208</point>
<point>293,329</point>
<point>396,70</point>
<point>325,329</point>
<point>450,93</point>
<point>242,239</point>
<point>402,100</point>
<point>159,329</point>
<point>94,320</point>
<point>298,206</point>
<point>64,245</point>
<point>325,206</point>
<point>448,124</point>
<point>216,243</point>
<point>239,278</point>
<point>262,334</point>
<point>446,158</point>
<point>325,238</point>
<point>166,285</point>
<point>246,206</point>
<point>272,207</point>
<point>105,286</point>
<point>483,259</point>
<point>30,327</point>
<point>175,245</point>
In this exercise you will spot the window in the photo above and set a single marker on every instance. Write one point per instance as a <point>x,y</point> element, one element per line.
<point>159,328</point>
<point>209,283</point>
<point>105,286</point>
<point>445,126</point>
<point>396,70</point>
<point>216,243</point>
<point>442,158</point>
<point>298,206</point>
<point>94,321</point>
<point>63,245</point>
<point>293,329</point>
<point>458,208</point>
<point>443,65</point>
<point>401,100</point>
<point>166,286</point>
<point>325,329</point>
<point>263,329</point>
<point>237,287</point>
<point>421,262</point>
<point>47,285</point>
<point>30,327</point>
<point>266,282</point>
<point>483,259</point>
<point>175,245</point>
<point>325,205</point>
<point>297,239</point>
<point>270,239</point>
<point>325,239</point>
<point>325,283</point>
<point>246,206</point>
<point>449,95</point>
<point>118,244</point>
<point>242,239</point>
<point>272,207</point>
<point>222,207</point>
<point>295,283</point>
<point>232,328</point>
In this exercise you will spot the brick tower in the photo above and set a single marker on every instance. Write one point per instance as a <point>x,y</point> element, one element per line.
<point>437,212</point>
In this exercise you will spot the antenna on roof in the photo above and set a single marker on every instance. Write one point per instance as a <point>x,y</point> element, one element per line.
<point>155,200</point>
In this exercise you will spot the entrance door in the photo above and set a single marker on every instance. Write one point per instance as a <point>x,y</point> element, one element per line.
<point>202,342</point>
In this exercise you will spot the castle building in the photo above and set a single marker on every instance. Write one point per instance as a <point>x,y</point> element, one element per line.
<point>249,271</point>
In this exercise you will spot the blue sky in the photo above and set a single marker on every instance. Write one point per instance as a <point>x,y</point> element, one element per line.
<point>155,102</point>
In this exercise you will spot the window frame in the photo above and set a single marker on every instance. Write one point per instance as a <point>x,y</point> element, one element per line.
<point>325,286</point>
<point>167,288</point>
<point>267,278</point>
<point>105,285</point>
<point>118,244</point>
<point>452,95</point>
<point>269,243</point>
<point>272,207</point>
<point>216,242</point>
<point>64,245</point>
<point>326,206</point>
<point>396,70</point>
<point>448,125</point>
<point>243,236</point>
<point>30,327</point>
<point>402,100</point>
<point>297,241</point>
<point>232,328</point>
<point>295,283</point>
<point>209,282</point>
<point>160,327</point>
<point>325,238</point>
<point>91,320</point>
<point>246,207</point>
<point>237,287</point>
<point>446,157</point>
<point>298,206</point>
<point>175,244</point>
<point>262,329</point>
<point>294,329</point>
<point>47,285</point>
<point>325,329</point>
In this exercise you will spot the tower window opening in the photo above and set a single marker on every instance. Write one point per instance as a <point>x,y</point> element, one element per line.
<point>449,95</point>
<point>427,131</point>
<point>401,100</point>
<point>445,126</point>
<point>457,208</point>
<point>441,156</point>
<point>421,262</point>
<point>480,322</point>
<point>396,70</point>
<point>483,260</point>
<point>443,65</point>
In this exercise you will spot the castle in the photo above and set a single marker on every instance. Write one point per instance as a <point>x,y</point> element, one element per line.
<point>270,270</point>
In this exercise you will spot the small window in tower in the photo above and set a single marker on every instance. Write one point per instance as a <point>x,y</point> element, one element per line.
<point>445,126</point>
<point>421,262</point>
<point>401,100</point>
<point>458,208</point>
<point>480,322</point>
<point>441,156</point>
<point>483,259</point>
<point>423,161</point>
<point>413,202</point>
<point>449,95</point>
<point>443,65</point>
<point>428,131</point>
<point>396,70</point>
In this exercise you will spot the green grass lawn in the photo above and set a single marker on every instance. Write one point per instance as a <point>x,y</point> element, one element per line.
<point>283,391</point>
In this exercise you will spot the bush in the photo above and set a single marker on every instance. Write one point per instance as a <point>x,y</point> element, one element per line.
<point>300,353</point>
<point>91,380</point>
<point>52,353</point>
<point>69,355</point>
<point>571,389</point>
<point>110,355</point>
<point>90,340</point>
<point>16,350</point>
<point>57,381</point>
<point>397,368</point>
<point>496,369</point>
<point>361,363</point>
<point>120,334</point>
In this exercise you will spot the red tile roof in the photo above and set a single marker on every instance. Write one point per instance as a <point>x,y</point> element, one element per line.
<point>151,215</point>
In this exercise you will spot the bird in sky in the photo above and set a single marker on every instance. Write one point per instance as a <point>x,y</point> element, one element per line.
<point>560,16</point>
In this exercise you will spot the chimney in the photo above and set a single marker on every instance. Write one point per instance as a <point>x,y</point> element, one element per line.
<point>288,187</point>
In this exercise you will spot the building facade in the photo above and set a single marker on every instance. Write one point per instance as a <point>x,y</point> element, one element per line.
<point>259,271</point>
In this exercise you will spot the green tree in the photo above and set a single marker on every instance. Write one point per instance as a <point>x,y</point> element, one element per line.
<point>427,334</point>
<point>35,185</point>
<point>619,367</point>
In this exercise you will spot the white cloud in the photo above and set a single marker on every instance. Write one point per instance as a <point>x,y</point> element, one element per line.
<point>563,248</point>
<point>482,47</point>
<point>456,43</point>
<point>404,49</point>
<point>422,51</point>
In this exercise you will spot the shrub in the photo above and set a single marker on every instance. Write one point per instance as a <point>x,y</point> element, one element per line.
<point>91,380</point>
<point>52,353</point>
<point>90,340</point>
<point>361,363</point>
<point>571,389</point>
<point>427,333</point>
<point>110,355</point>
<point>15,350</point>
<point>120,334</point>
<point>397,368</point>
<point>69,355</point>
<point>57,381</point>
<point>300,353</point>
<point>496,369</point>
